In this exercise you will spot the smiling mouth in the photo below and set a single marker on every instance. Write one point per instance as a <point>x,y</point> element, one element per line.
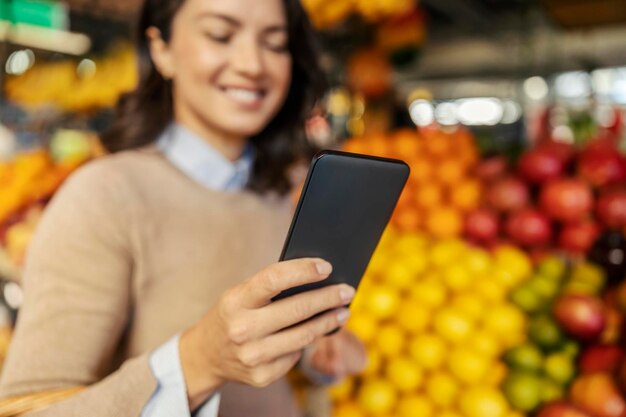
<point>244,95</point>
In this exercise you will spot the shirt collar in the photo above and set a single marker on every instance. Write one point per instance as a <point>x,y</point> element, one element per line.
<point>201,162</point>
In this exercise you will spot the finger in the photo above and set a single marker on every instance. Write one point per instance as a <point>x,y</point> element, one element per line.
<point>295,338</point>
<point>297,308</point>
<point>265,374</point>
<point>276,278</point>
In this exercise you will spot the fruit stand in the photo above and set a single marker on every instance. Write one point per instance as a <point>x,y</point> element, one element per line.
<point>498,288</point>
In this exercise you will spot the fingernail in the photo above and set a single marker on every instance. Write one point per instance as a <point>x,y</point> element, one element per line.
<point>343,315</point>
<point>323,267</point>
<point>346,293</point>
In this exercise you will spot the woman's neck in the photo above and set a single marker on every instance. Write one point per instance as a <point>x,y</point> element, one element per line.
<point>231,147</point>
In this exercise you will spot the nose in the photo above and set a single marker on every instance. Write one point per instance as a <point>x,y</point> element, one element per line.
<point>247,58</point>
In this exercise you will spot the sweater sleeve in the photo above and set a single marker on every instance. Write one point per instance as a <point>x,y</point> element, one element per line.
<point>77,302</point>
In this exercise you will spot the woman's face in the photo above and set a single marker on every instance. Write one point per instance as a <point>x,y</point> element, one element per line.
<point>229,63</point>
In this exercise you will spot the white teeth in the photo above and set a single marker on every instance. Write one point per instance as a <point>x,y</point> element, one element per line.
<point>246,96</point>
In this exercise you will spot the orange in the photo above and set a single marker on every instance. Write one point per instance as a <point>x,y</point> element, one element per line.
<point>414,405</point>
<point>406,198</point>
<point>407,219</point>
<point>466,195</point>
<point>406,143</point>
<point>428,195</point>
<point>421,170</point>
<point>404,374</point>
<point>450,172</point>
<point>444,222</point>
<point>438,144</point>
<point>378,146</point>
<point>377,396</point>
<point>355,145</point>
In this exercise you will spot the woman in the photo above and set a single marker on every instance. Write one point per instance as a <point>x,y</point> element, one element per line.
<point>148,279</point>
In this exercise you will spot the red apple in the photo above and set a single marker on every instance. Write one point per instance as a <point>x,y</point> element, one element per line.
<point>578,237</point>
<point>491,168</point>
<point>564,151</point>
<point>561,409</point>
<point>602,166</point>
<point>598,395</point>
<point>600,358</point>
<point>529,227</point>
<point>507,194</point>
<point>581,316</point>
<point>540,165</point>
<point>567,200</point>
<point>611,208</point>
<point>482,225</point>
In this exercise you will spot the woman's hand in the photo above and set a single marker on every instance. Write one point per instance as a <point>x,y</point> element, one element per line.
<point>247,338</point>
<point>338,355</point>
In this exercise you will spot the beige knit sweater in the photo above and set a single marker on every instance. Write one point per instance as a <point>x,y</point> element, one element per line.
<point>129,253</point>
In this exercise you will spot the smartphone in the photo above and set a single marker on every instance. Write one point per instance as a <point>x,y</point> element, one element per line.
<point>345,205</point>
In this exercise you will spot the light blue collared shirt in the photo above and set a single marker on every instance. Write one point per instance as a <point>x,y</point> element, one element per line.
<point>202,163</point>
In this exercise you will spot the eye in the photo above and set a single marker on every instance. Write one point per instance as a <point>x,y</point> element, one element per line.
<point>277,43</point>
<point>218,37</point>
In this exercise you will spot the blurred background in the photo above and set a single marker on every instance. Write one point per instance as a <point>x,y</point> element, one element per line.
<point>498,288</point>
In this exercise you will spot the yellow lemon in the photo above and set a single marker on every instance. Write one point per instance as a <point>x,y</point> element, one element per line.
<point>513,260</point>
<point>486,343</point>
<point>452,325</point>
<point>404,374</point>
<point>390,340</point>
<point>363,325</point>
<point>429,292</point>
<point>382,301</point>
<point>483,402</point>
<point>377,266</point>
<point>457,277</point>
<point>468,304</point>
<point>342,390</point>
<point>442,389</point>
<point>347,409</point>
<point>489,289</point>
<point>413,406</point>
<point>374,363</point>
<point>446,251</point>
<point>377,396</point>
<point>496,374</point>
<point>399,275</point>
<point>411,243</point>
<point>449,413</point>
<point>477,260</point>
<point>413,317</point>
<point>506,322</point>
<point>468,366</point>
<point>428,350</point>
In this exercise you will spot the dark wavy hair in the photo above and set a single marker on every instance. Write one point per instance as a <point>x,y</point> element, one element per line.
<point>142,114</point>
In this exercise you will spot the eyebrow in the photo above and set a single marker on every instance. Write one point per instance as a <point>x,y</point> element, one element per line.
<point>234,22</point>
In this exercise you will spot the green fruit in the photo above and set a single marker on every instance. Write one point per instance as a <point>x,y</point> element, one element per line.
<point>571,348</point>
<point>544,332</point>
<point>545,287</point>
<point>559,367</point>
<point>526,357</point>
<point>551,390</point>
<point>552,267</point>
<point>522,390</point>
<point>580,287</point>
<point>590,274</point>
<point>526,299</point>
